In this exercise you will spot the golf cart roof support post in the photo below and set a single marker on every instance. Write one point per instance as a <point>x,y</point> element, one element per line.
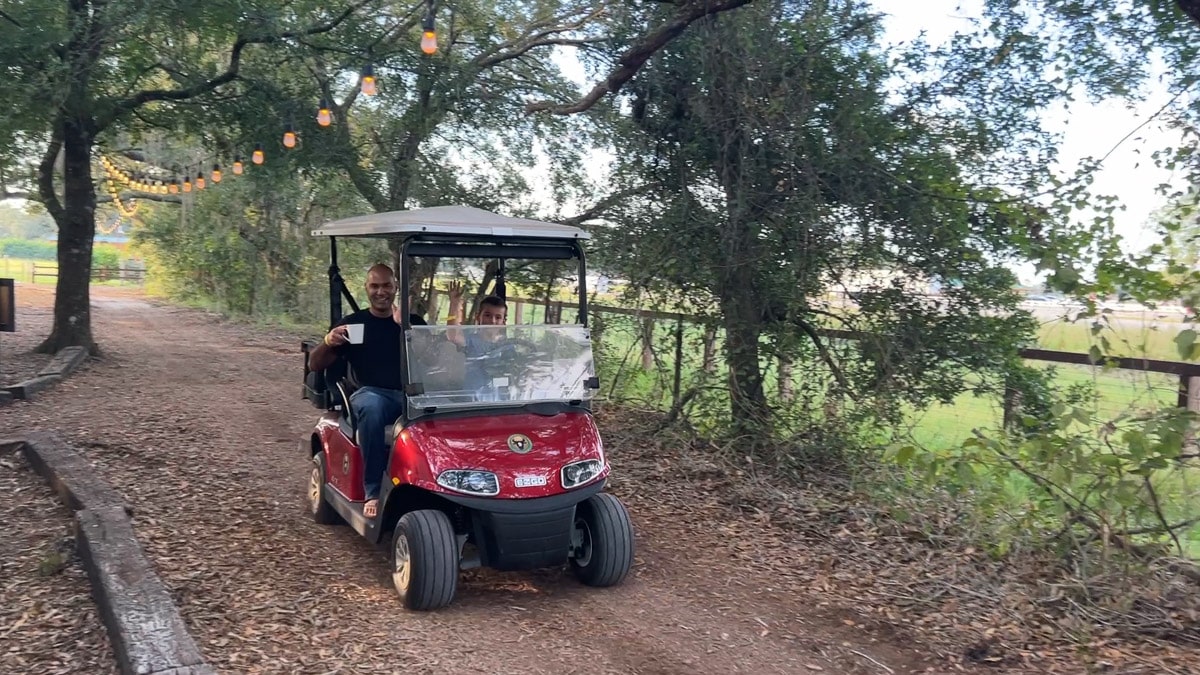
<point>583,317</point>
<point>335,284</point>
<point>406,324</point>
<point>501,290</point>
<point>337,287</point>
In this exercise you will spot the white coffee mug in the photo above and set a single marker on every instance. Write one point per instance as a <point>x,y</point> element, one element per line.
<point>354,332</point>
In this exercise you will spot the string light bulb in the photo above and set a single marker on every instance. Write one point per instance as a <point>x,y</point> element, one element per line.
<point>368,80</point>
<point>216,173</point>
<point>257,157</point>
<point>173,187</point>
<point>324,117</point>
<point>237,166</point>
<point>187,184</point>
<point>289,138</point>
<point>199,181</point>
<point>428,35</point>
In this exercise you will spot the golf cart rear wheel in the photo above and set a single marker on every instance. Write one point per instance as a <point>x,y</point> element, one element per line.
<point>425,559</point>
<point>321,510</point>
<point>604,541</point>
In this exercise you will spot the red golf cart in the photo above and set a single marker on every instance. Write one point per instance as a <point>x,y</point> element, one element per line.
<point>506,472</point>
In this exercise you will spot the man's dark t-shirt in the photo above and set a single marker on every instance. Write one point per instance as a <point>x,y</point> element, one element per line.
<point>376,362</point>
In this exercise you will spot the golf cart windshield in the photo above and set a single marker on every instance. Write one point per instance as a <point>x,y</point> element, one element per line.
<point>456,367</point>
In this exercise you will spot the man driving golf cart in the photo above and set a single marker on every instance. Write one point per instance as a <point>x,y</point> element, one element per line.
<point>373,354</point>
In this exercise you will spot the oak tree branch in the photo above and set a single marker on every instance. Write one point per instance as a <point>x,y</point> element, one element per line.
<point>231,72</point>
<point>636,56</point>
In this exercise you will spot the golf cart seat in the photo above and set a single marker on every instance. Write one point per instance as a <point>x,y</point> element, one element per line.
<point>331,389</point>
<point>321,387</point>
<point>341,381</point>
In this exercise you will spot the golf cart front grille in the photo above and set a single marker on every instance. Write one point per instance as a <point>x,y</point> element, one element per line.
<point>523,541</point>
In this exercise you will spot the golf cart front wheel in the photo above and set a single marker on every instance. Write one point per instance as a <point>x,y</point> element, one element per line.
<point>321,510</point>
<point>425,559</point>
<point>602,542</point>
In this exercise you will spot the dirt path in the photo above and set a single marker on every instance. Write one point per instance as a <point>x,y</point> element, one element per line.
<point>196,421</point>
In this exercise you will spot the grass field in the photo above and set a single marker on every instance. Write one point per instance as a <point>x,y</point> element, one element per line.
<point>23,271</point>
<point>1116,390</point>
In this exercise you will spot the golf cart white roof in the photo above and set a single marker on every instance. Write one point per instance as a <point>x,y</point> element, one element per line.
<point>452,220</point>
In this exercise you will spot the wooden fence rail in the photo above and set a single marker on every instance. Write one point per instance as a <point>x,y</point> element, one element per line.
<point>1188,374</point>
<point>98,273</point>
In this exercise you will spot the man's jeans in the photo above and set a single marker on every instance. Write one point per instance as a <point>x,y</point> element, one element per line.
<point>375,408</point>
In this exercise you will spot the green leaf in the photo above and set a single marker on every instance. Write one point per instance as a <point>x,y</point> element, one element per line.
<point>905,454</point>
<point>1094,354</point>
<point>1185,342</point>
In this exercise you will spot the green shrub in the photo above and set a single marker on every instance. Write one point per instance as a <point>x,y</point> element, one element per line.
<point>103,255</point>
<point>28,249</point>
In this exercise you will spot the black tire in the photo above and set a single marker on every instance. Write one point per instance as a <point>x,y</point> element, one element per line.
<point>321,510</point>
<point>426,539</point>
<point>605,553</point>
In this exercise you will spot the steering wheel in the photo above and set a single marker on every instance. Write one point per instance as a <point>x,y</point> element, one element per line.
<point>511,348</point>
<point>509,355</point>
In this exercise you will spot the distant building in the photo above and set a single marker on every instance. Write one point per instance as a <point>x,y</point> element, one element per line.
<point>861,280</point>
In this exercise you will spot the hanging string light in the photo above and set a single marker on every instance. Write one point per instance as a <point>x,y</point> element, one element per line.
<point>127,212</point>
<point>109,230</point>
<point>368,80</point>
<point>428,35</point>
<point>157,184</point>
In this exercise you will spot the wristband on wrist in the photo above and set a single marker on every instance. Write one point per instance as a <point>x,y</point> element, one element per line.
<point>327,342</point>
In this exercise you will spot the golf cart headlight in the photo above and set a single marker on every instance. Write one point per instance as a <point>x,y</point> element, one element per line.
<point>578,473</point>
<point>470,482</point>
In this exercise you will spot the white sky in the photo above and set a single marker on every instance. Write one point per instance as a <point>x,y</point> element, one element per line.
<point>1090,129</point>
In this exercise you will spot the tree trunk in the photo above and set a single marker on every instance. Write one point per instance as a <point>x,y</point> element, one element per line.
<point>490,271</point>
<point>787,391</point>
<point>710,349</point>
<point>747,399</point>
<point>420,282</point>
<point>76,222</point>
<point>1191,8</point>
<point>647,340</point>
<point>741,308</point>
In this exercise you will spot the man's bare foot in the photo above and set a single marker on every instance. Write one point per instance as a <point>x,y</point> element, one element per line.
<point>370,508</point>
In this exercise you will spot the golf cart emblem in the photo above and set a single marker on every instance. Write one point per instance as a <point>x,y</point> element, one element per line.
<point>520,443</point>
<point>346,464</point>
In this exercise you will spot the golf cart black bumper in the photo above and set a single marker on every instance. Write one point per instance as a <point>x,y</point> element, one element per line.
<point>524,534</point>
